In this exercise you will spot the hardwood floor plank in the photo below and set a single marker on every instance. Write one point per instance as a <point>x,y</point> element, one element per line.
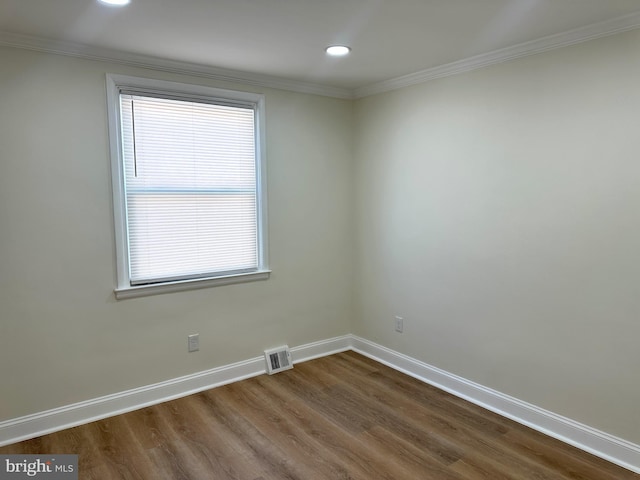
<point>272,416</point>
<point>217,448</point>
<point>339,417</point>
<point>117,448</point>
<point>555,457</point>
<point>566,460</point>
<point>404,459</point>
<point>310,431</point>
<point>446,427</point>
<point>438,401</point>
<point>269,459</point>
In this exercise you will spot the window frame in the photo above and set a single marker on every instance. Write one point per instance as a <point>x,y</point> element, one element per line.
<point>115,84</point>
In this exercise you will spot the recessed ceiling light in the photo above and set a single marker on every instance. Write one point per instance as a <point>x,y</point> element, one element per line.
<point>337,50</point>
<point>117,3</point>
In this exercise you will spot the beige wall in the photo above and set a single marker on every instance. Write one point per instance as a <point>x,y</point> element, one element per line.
<point>63,336</point>
<point>498,212</point>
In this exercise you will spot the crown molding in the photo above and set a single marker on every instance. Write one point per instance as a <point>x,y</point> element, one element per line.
<point>551,42</point>
<point>79,50</point>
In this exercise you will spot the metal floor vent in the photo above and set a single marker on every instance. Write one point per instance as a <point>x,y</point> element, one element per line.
<point>278,359</point>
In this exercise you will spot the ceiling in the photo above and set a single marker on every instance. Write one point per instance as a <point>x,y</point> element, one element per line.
<point>285,39</point>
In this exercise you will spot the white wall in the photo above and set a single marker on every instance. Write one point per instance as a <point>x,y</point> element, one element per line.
<point>63,336</point>
<point>499,213</point>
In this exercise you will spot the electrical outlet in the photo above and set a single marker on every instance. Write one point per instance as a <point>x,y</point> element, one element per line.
<point>399,324</point>
<point>194,342</point>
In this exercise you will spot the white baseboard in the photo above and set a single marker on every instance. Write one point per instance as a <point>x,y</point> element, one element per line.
<point>319,349</point>
<point>30,426</point>
<point>603,445</point>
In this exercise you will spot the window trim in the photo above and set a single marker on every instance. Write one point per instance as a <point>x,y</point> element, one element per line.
<point>117,83</point>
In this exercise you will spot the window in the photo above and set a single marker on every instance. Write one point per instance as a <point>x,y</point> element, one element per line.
<point>187,173</point>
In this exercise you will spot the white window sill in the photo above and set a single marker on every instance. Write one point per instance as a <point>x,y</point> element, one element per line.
<point>179,286</point>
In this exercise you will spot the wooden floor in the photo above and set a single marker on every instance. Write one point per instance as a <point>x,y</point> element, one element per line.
<point>338,417</point>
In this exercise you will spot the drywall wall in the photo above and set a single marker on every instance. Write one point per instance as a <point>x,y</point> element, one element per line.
<point>63,336</point>
<point>498,212</point>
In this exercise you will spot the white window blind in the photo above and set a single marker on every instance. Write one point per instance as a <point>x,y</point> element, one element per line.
<point>190,187</point>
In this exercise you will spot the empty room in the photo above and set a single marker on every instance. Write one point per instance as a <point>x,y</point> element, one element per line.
<point>355,239</point>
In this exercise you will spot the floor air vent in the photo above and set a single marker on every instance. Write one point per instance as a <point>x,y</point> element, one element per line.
<point>278,359</point>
